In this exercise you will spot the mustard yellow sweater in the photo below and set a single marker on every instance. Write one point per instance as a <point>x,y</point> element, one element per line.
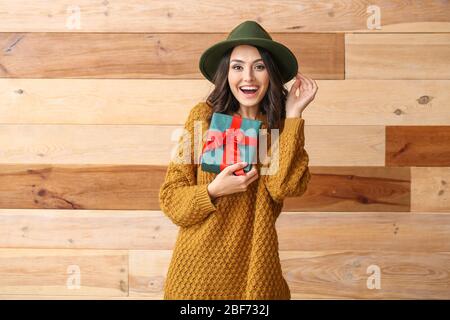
<point>228,249</point>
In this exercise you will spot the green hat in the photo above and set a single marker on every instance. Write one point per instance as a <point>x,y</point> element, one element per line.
<point>249,32</point>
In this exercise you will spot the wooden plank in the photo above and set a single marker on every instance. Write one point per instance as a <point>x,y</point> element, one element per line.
<point>80,186</point>
<point>143,55</point>
<point>87,229</point>
<point>88,144</point>
<point>346,274</point>
<point>380,102</point>
<point>429,189</point>
<point>148,270</point>
<point>418,146</point>
<point>63,272</point>
<point>312,275</point>
<point>100,101</point>
<point>397,56</point>
<point>150,101</point>
<point>217,16</point>
<point>326,274</point>
<point>47,297</point>
<point>352,189</point>
<point>153,145</point>
<point>384,231</point>
<point>137,188</point>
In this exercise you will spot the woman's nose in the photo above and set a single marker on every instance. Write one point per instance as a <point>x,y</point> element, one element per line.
<point>248,74</point>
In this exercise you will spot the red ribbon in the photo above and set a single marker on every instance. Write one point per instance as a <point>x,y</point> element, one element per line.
<point>231,137</point>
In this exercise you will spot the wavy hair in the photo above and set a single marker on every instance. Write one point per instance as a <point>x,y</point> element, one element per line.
<point>222,99</point>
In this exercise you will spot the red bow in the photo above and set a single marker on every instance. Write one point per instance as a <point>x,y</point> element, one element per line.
<point>231,137</point>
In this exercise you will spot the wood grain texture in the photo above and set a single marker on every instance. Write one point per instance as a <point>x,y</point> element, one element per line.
<point>155,145</point>
<point>88,144</point>
<point>51,272</point>
<point>146,55</point>
<point>100,101</point>
<point>325,274</point>
<point>86,229</point>
<point>430,189</point>
<point>121,229</point>
<point>354,189</point>
<point>137,188</point>
<point>345,274</point>
<point>85,297</point>
<point>383,231</point>
<point>152,102</point>
<point>397,56</point>
<point>80,187</point>
<point>310,275</point>
<point>148,270</point>
<point>219,16</point>
<point>426,146</point>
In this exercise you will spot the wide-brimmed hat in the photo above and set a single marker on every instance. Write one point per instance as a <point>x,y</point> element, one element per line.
<point>251,33</point>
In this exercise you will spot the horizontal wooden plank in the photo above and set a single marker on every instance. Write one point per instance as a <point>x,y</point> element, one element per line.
<point>430,189</point>
<point>87,229</point>
<point>427,146</point>
<point>310,275</point>
<point>326,274</point>
<point>355,189</point>
<point>397,56</point>
<point>143,55</point>
<point>80,187</point>
<point>88,144</point>
<point>63,272</point>
<point>148,270</point>
<point>137,187</point>
<point>150,101</point>
<point>61,297</point>
<point>153,145</point>
<point>217,16</point>
<point>351,275</point>
<point>384,231</point>
<point>380,102</point>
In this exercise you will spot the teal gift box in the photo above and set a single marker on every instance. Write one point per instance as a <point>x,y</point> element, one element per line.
<point>229,140</point>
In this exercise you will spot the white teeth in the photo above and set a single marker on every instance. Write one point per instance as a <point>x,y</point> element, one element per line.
<point>249,88</point>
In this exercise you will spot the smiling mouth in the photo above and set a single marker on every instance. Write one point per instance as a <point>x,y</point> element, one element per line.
<point>249,92</point>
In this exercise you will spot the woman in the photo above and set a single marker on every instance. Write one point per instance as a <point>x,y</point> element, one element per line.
<point>227,246</point>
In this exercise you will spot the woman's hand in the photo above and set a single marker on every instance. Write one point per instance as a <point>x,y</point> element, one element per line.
<point>227,183</point>
<point>295,105</point>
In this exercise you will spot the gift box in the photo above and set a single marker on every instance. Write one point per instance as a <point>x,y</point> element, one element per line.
<point>229,140</point>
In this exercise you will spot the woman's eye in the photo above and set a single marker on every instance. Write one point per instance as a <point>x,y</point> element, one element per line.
<point>260,66</point>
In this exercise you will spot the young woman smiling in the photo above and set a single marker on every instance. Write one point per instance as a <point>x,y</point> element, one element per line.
<point>227,246</point>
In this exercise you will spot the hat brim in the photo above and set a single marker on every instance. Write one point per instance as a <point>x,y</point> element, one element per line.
<point>283,57</point>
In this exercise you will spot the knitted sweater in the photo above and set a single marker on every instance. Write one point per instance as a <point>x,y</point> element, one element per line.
<point>228,248</point>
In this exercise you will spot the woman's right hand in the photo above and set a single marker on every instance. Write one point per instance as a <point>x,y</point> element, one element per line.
<point>227,183</point>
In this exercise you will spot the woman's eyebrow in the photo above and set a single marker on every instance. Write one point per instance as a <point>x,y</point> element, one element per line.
<point>237,60</point>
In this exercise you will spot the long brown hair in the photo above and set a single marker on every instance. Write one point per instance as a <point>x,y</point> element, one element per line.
<point>222,100</point>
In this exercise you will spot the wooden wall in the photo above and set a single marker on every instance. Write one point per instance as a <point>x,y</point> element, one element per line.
<point>87,113</point>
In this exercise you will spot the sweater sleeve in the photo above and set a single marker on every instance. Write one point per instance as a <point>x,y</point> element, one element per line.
<point>288,173</point>
<point>184,201</point>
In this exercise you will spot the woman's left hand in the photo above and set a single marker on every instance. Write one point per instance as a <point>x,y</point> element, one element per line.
<point>295,105</point>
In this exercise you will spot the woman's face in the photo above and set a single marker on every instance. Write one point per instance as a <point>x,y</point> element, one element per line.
<point>247,69</point>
